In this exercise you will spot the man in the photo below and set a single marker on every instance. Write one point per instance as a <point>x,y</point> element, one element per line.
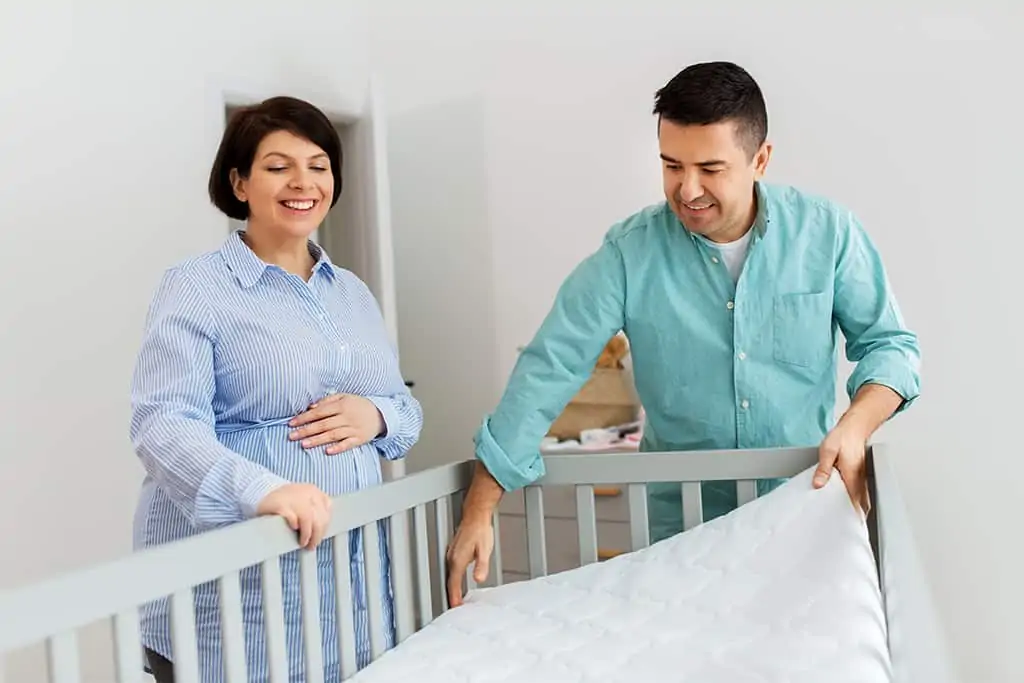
<point>731,293</point>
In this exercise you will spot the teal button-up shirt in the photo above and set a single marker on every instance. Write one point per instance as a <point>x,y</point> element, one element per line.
<point>717,365</point>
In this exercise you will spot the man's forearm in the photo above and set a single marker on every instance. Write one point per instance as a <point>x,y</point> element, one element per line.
<point>871,407</point>
<point>483,496</point>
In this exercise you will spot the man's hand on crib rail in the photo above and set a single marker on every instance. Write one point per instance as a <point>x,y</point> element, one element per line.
<point>474,539</point>
<point>473,542</point>
<point>304,507</point>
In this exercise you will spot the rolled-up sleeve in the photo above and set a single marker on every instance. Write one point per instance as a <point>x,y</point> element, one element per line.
<point>588,310</point>
<point>172,421</point>
<point>878,341</point>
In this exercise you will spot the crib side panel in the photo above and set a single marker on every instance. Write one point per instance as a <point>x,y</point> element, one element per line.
<point>592,506</point>
<point>52,614</point>
<point>917,641</point>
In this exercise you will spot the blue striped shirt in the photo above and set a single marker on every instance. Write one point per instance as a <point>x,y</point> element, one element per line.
<point>233,349</point>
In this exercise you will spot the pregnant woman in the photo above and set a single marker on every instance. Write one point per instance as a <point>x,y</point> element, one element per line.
<point>266,383</point>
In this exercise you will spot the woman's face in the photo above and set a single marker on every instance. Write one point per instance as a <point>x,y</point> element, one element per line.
<point>289,188</point>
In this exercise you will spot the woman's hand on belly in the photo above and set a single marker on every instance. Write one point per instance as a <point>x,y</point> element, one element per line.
<point>340,421</point>
<point>305,508</point>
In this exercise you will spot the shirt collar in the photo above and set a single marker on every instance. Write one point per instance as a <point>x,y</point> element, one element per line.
<point>763,217</point>
<point>248,268</point>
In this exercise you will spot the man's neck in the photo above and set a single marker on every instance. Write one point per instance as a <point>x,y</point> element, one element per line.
<point>743,226</point>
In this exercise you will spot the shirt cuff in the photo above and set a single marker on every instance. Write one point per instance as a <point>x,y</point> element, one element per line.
<point>899,378</point>
<point>506,471</point>
<point>389,415</point>
<point>256,491</point>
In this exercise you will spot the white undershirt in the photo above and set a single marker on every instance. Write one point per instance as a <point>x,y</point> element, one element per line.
<point>733,253</point>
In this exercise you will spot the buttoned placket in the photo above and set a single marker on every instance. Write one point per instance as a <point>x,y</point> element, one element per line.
<point>312,299</point>
<point>735,296</point>
<point>741,334</point>
<point>310,292</point>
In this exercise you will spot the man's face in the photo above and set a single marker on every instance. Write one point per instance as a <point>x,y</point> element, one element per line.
<point>709,177</point>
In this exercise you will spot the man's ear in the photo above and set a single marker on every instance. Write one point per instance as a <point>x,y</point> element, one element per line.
<point>761,160</point>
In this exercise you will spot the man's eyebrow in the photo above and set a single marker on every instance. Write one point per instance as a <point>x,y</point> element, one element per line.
<point>702,164</point>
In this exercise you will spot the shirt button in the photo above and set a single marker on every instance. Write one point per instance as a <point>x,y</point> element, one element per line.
<point>730,305</point>
<point>744,404</point>
<point>742,355</point>
<point>714,259</point>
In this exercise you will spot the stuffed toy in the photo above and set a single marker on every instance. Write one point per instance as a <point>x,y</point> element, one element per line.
<point>614,351</point>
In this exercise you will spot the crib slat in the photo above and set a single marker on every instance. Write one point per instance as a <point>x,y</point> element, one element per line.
<point>536,545</point>
<point>693,510</point>
<point>746,491</point>
<point>401,573</point>
<point>639,530</point>
<point>62,656</point>
<point>374,593</point>
<point>457,500</point>
<point>273,616</point>
<point>424,599</point>
<point>586,520</point>
<point>344,605</point>
<point>184,647</point>
<point>232,631</point>
<point>496,569</point>
<point>441,516</point>
<point>310,606</point>
<point>128,654</point>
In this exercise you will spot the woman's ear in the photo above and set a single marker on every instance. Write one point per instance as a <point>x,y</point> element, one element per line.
<point>237,184</point>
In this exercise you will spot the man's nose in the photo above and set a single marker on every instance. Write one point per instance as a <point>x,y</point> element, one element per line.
<point>690,188</point>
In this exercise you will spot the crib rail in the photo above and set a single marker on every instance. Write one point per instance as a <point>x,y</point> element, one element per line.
<point>51,611</point>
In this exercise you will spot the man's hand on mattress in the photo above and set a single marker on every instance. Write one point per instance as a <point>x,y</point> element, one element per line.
<point>473,542</point>
<point>340,421</point>
<point>305,508</point>
<point>844,448</point>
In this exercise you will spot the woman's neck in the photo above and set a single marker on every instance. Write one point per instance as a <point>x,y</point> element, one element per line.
<point>289,253</point>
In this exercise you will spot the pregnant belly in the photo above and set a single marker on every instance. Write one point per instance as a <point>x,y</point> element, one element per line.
<point>267,444</point>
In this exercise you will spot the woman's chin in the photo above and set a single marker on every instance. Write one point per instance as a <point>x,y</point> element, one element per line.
<point>299,228</point>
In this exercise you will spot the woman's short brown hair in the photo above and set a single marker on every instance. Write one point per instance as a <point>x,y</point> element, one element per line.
<point>245,131</point>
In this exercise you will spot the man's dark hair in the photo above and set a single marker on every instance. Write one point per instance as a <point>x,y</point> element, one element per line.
<point>715,92</point>
<point>246,130</point>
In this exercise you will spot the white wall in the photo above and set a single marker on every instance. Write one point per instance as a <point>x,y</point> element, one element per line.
<point>520,133</point>
<point>111,114</point>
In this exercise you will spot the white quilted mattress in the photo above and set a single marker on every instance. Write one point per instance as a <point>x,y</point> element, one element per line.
<point>781,590</point>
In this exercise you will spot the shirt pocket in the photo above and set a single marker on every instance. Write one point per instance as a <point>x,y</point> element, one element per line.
<point>802,328</point>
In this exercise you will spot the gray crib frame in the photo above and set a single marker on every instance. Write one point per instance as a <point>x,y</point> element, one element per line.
<point>51,611</point>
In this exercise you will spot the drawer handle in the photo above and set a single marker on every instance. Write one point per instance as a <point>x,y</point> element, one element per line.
<point>607,553</point>
<point>607,491</point>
